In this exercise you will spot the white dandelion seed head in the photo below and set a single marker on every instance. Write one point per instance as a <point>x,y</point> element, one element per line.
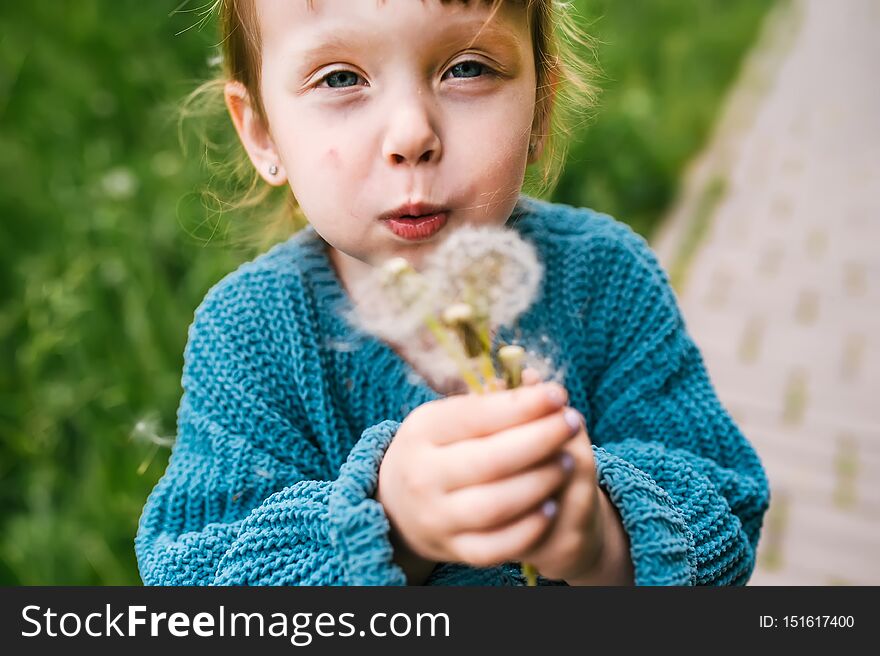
<point>435,366</point>
<point>493,269</point>
<point>392,301</point>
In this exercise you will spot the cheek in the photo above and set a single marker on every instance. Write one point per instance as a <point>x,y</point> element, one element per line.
<point>499,134</point>
<point>325,173</point>
<point>337,155</point>
<point>342,170</point>
<point>499,150</point>
<point>313,158</point>
<point>332,160</point>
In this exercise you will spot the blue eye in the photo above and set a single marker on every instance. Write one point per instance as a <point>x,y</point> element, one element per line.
<point>468,68</point>
<point>341,79</point>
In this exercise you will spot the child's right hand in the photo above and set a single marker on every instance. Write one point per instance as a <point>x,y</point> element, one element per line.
<point>466,476</point>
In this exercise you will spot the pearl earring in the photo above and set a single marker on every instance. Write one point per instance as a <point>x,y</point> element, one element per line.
<point>273,169</point>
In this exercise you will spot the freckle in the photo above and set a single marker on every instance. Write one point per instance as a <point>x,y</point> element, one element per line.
<point>332,158</point>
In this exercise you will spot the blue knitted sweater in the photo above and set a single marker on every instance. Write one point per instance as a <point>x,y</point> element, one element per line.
<point>287,411</point>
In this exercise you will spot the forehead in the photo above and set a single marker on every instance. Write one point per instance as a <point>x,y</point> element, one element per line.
<point>323,19</point>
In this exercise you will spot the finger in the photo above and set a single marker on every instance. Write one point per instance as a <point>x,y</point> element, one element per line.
<point>488,548</point>
<point>497,384</point>
<point>507,452</point>
<point>530,376</point>
<point>474,415</point>
<point>575,535</point>
<point>483,507</point>
<point>576,499</point>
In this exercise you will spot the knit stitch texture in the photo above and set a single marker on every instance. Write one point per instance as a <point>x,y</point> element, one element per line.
<point>287,411</point>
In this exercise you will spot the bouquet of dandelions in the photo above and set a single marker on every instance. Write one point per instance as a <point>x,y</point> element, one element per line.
<point>478,279</point>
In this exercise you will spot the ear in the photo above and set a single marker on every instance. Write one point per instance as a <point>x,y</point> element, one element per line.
<point>543,112</point>
<point>254,134</point>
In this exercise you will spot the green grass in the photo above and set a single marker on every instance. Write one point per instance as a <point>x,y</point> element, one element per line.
<point>668,66</point>
<point>105,251</point>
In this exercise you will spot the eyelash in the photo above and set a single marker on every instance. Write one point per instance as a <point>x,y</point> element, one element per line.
<point>487,71</point>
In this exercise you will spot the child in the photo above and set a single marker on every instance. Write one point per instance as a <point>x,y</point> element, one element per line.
<point>300,462</point>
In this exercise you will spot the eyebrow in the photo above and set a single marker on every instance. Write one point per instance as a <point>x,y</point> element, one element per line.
<point>333,41</point>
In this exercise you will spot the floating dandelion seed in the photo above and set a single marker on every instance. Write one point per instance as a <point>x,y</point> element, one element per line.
<point>146,430</point>
<point>119,183</point>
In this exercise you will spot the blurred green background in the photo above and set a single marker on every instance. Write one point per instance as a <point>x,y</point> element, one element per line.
<point>107,248</point>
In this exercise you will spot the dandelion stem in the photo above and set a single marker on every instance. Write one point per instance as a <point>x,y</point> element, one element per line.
<point>511,358</point>
<point>464,367</point>
<point>486,366</point>
<point>487,371</point>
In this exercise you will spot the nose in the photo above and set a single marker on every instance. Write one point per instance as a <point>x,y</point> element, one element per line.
<point>411,138</point>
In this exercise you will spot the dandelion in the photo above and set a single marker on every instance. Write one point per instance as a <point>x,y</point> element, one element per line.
<point>477,280</point>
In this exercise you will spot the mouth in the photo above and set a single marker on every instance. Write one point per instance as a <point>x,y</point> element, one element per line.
<point>416,221</point>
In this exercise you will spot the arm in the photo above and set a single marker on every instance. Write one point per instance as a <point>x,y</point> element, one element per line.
<point>613,565</point>
<point>690,490</point>
<point>246,499</point>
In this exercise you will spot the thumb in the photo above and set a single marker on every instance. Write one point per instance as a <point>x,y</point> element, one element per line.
<point>529,376</point>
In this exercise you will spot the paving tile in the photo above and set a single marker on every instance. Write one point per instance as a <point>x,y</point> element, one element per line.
<point>783,299</point>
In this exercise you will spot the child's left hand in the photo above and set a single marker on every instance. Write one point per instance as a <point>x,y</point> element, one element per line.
<point>572,548</point>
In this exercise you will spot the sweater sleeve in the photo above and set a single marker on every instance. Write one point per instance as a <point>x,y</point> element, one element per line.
<point>245,499</point>
<point>689,487</point>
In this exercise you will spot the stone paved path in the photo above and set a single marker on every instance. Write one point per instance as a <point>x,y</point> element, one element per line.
<point>783,293</point>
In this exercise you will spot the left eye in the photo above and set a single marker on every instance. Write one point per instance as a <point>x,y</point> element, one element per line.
<point>468,69</point>
<point>340,79</point>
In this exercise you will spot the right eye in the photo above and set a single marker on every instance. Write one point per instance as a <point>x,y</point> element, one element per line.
<point>339,79</point>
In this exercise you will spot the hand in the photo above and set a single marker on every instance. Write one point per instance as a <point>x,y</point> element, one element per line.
<point>587,544</point>
<point>466,476</point>
<point>573,545</point>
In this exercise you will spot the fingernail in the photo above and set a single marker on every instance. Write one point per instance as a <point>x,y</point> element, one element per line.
<point>572,418</point>
<point>555,394</point>
<point>549,508</point>
<point>567,461</point>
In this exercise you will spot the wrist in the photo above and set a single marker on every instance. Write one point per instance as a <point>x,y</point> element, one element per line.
<point>416,568</point>
<point>613,564</point>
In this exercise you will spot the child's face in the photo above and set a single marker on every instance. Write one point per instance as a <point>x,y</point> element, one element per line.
<point>372,105</point>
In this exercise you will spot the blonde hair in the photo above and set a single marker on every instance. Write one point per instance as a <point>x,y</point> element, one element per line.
<point>565,93</point>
